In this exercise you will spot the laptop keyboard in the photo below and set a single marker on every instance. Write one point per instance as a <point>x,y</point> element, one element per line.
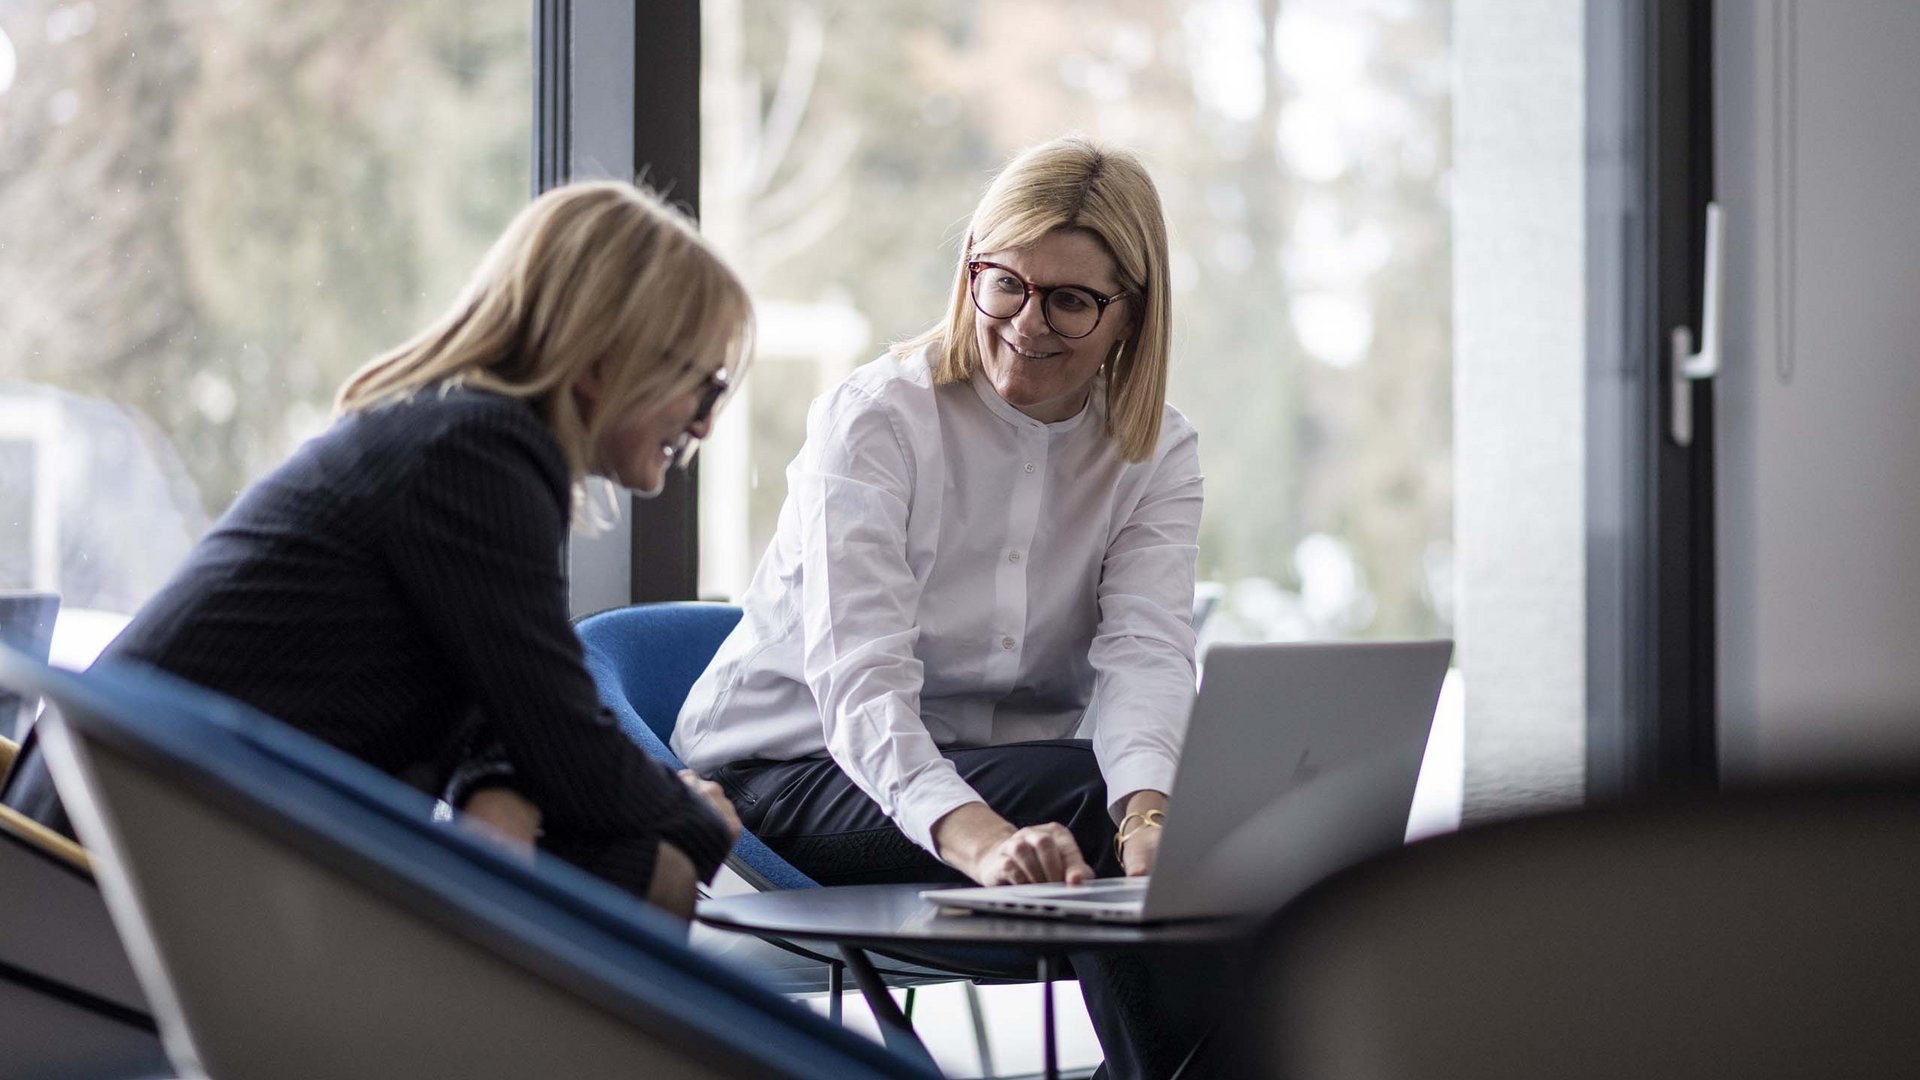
<point>1115,892</point>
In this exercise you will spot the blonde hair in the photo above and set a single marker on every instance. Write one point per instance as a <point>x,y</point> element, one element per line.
<point>1074,183</point>
<point>598,277</point>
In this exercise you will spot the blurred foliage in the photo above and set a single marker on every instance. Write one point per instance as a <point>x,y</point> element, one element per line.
<point>846,142</point>
<point>211,212</point>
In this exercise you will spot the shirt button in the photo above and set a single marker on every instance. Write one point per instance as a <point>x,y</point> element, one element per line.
<point>1031,466</point>
<point>1007,643</point>
<point>1013,556</point>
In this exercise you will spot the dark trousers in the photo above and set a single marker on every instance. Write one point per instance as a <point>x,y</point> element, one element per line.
<point>1150,1007</point>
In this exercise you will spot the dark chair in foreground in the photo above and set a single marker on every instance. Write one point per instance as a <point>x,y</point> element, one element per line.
<point>1754,935</point>
<point>69,1004</point>
<point>291,911</point>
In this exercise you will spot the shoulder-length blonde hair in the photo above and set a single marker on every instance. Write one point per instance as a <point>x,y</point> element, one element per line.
<point>598,277</point>
<point>1074,183</point>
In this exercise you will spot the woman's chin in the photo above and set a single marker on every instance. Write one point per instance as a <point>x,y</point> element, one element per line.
<point>645,483</point>
<point>1019,393</point>
<point>646,487</point>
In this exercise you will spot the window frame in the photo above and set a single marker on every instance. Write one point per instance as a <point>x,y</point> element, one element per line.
<point>614,97</point>
<point>617,96</point>
<point>1650,522</point>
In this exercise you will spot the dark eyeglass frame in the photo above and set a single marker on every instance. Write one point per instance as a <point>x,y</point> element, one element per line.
<point>712,389</point>
<point>1100,299</point>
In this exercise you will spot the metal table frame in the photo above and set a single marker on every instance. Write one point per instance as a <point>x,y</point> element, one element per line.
<point>890,918</point>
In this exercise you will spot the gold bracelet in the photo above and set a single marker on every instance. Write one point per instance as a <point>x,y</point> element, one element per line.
<point>1149,819</point>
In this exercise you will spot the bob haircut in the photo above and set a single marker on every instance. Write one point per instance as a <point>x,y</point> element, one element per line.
<point>1074,183</point>
<point>598,277</point>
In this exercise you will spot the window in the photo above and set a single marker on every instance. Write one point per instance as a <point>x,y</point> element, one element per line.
<point>213,213</point>
<point>1305,153</point>
<point>1306,189</point>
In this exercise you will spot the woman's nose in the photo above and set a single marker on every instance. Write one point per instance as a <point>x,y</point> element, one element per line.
<point>1031,320</point>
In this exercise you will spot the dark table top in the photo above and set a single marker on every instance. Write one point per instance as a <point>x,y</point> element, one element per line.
<point>878,916</point>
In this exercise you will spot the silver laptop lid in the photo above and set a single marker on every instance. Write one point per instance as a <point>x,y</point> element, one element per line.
<point>1300,759</point>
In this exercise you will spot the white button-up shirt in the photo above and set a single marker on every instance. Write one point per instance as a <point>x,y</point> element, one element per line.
<point>950,572</point>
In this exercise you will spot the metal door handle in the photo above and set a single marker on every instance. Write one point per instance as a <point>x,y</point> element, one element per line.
<point>1685,365</point>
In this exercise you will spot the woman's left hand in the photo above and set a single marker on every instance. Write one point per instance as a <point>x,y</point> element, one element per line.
<point>716,799</point>
<point>506,817</point>
<point>1137,855</point>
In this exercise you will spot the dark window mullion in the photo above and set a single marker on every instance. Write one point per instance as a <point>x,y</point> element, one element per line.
<point>1650,654</point>
<point>625,105</point>
<point>666,142</point>
<point>552,92</point>
<point>1683,744</point>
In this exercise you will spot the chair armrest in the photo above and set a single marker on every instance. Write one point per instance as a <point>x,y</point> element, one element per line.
<point>8,751</point>
<point>38,835</point>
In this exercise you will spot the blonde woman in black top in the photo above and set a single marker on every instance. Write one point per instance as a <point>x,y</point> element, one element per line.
<point>397,585</point>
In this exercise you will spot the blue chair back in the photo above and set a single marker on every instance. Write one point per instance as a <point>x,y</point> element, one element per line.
<point>644,659</point>
<point>259,780</point>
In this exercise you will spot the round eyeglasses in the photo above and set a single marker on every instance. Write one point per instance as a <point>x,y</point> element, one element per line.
<point>1072,311</point>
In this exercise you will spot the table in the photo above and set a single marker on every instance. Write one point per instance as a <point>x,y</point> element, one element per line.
<point>860,917</point>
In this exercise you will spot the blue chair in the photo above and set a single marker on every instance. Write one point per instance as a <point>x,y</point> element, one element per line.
<point>645,659</point>
<point>291,910</point>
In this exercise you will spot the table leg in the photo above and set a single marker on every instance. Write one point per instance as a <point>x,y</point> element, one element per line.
<point>836,988</point>
<point>1050,1059</point>
<point>981,1044</point>
<point>895,1030</point>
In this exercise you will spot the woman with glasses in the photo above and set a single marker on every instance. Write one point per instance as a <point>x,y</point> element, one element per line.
<point>988,541</point>
<point>396,587</point>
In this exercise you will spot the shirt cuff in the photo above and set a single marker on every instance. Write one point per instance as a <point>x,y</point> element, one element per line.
<point>931,796</point>
<point>475,773</point>
<point>1137,772</point>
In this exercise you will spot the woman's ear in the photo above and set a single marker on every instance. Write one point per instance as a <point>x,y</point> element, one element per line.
<point>587,388</point>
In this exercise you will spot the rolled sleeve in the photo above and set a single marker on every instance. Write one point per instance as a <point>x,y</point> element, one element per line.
<point>933,794</point>
<point>1143,650</point>
<point>852,487</point>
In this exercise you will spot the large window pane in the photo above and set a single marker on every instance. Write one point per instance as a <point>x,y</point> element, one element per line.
<point>212,212</point>
<point>1303,152</point>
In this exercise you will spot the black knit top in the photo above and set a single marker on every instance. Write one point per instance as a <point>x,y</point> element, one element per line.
<point>396,585</point>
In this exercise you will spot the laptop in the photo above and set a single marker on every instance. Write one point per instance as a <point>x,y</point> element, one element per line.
<point>26,626</point>
<point>1300,760</point>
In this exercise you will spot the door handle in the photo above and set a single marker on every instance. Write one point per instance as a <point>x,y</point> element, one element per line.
<point>1685,365</point>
